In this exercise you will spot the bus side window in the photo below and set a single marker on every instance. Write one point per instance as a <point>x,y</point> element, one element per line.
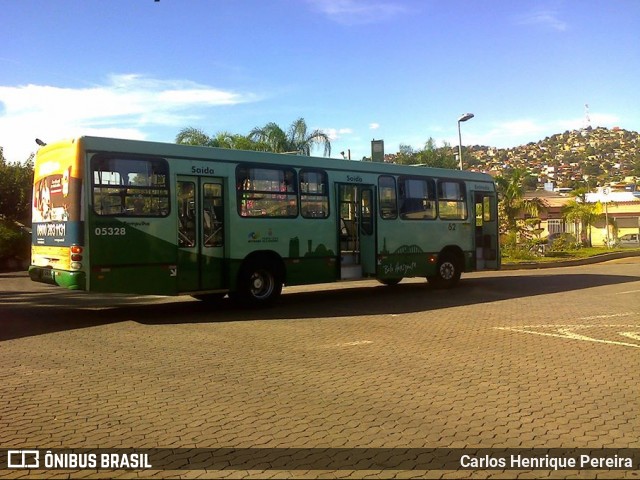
<point>314,194</point>
<point>452,203</point>
<point>213,221</point>
<point>417,198</point>
<point>186,217</point>
<point>387,197</point>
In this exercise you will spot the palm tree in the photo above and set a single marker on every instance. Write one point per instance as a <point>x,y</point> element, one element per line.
<point>578,210</point>
<point>296,140</point>
<point>197,137</point>
<point>270,138</point>
<point>236,141</point>
<point>513,206</point>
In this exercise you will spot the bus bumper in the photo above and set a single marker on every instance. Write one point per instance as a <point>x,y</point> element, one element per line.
<point>62,278</point>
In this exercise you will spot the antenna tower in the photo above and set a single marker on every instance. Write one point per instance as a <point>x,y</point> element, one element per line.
<point>587,119</point>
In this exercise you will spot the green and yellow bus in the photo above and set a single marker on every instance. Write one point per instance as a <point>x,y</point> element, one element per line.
<point>125,216</point>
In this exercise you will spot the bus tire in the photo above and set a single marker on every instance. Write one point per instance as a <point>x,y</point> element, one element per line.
<point>259,283</point>
<point>448,272</point>
<point>390,282</point>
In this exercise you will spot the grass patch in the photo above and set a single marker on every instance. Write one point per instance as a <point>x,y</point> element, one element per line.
<point>568,255</point>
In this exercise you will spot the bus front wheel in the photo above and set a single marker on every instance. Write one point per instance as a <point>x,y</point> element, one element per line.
<point>448,272</point>
<point>259,283</point>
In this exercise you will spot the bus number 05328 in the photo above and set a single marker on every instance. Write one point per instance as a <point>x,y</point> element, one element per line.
<point>113,231</point>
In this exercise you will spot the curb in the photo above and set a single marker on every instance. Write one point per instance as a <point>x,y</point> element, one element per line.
<point>603,257</point>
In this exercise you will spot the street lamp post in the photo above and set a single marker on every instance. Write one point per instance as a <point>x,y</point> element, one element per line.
<point>606,191</point>
<point>463,118</point>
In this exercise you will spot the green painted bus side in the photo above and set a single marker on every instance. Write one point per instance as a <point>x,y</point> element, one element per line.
<point>213,221</point>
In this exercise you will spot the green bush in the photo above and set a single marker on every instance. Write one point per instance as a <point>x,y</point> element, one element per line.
<point>518,252</point>
<point>563,242</point>
<point>14,242</point>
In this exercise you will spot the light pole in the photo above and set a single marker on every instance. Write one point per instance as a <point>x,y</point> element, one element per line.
<point>606,191</point>
<point>463,118</point>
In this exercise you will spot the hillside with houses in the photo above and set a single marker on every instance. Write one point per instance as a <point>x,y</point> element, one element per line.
<point>591,156</point>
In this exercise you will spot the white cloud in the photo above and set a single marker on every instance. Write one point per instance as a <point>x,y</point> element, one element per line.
<point>124,106</point>
<point>545,18</point>
<point>374,126</point>
<point>359,12</point>
<point>337,133</point>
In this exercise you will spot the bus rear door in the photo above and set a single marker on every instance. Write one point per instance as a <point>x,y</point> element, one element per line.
<point>486,236</point>
<point>200,227</point>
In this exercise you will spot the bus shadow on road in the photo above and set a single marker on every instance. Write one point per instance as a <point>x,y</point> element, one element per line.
<point>415,297</point>
<point>40,312</point>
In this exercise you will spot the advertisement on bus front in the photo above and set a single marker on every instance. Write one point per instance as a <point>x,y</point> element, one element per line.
<point>56,199</point>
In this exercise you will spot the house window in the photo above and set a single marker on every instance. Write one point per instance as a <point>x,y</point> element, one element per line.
<point>555,225</point>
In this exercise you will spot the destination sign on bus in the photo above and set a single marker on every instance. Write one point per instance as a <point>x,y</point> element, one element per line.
<point>202,170</point>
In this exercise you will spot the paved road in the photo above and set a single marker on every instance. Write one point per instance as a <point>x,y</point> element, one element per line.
<point>509,359</point>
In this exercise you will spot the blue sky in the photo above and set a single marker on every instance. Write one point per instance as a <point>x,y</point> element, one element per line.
<point>397,70</point>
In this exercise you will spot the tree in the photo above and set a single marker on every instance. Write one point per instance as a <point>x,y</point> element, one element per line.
<point>270,138</point>
<point>296,140</point>
<point>406,155</point>
<point>429,155</point>
<point>578,210</point>
<point>195,136</point>
<point>513,206</point>
<point>235,141</point>
<point>16,184</point>
<point>530,182</point>
<point>432,156</point>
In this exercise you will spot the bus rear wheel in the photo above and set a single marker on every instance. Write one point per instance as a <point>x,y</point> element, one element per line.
<point>448,272</point>
<point>390,281</point>
<point>259,283</point>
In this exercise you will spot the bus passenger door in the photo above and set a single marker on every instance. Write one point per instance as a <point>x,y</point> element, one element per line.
<point>200,215</point>
<point>486,231</point>
<point>357,230</point>
<point>367,230</point>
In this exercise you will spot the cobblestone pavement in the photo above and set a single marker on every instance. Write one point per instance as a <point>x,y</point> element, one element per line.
<point>509,359</point>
